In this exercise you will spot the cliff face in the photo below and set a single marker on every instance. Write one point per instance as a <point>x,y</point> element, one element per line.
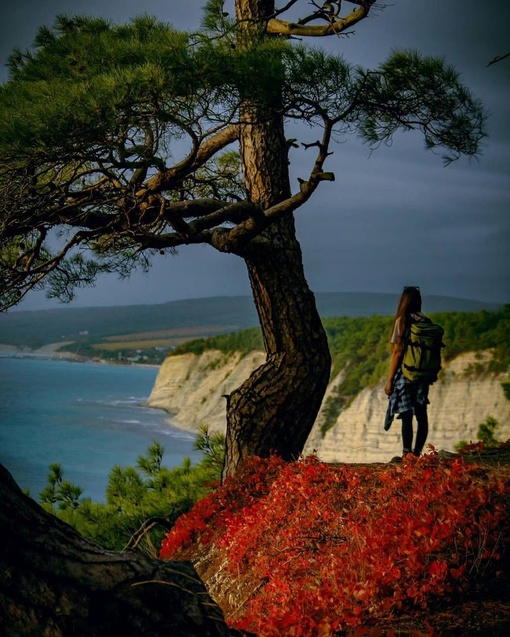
<point>192,388</point>
<point>459,402</point>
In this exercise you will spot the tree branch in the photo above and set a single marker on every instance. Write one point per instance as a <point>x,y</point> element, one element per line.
<point>207,149</point>
<point>333,25</point>
<point>234,239</point>
<point>498,58</point>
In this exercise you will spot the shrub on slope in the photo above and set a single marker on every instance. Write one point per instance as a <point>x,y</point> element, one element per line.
<point>325,548</point>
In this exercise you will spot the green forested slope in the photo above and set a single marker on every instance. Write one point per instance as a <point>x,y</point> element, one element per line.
<point>359,345</point>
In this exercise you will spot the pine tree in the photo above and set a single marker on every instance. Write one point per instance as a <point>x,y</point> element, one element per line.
<point>138,139</point>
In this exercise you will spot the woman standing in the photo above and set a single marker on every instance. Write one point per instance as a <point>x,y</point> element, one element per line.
<point>407,398</point>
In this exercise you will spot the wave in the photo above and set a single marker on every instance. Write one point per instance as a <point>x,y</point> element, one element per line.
<point>119,402</point>
<point>84,420</point>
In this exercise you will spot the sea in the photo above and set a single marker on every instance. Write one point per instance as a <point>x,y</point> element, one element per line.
<point>88,417</point>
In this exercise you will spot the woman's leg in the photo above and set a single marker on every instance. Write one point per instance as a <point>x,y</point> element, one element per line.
<point>407,431</point>
<point>420,411</point>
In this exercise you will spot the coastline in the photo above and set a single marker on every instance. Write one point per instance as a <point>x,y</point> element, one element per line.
<point>52,352</point>
<point>88,417</point>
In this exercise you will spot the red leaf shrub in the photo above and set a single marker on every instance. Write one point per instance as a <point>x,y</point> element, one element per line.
<point>329,547</point>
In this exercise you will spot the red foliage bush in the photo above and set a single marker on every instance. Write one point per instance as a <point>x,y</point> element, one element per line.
<point>331,547</point>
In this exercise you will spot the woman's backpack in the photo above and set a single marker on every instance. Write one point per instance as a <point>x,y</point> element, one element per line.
<point>422,353</point>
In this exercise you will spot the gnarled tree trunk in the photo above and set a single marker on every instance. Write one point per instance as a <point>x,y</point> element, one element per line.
<point>274,410</point>
<point>54,582</point>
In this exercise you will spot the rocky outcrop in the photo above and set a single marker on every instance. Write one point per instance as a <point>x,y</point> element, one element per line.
<point>192,389</point>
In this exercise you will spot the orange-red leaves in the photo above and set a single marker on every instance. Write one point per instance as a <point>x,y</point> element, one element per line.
<point>330,548</point>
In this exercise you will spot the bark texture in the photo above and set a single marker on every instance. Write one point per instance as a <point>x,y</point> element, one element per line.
<point>54,582</point>
<point>275,409</point>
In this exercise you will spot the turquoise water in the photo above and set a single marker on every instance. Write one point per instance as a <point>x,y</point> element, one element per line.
<point>87,417</point>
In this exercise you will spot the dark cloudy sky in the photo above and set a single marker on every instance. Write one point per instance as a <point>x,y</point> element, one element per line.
<point>393,217</point>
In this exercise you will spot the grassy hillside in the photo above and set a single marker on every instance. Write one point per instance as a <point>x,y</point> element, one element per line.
<point>93,325</point>
<point>165,322</point>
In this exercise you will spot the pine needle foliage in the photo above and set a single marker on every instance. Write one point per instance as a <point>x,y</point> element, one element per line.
<point>141,502</point>
<point>107,129</point>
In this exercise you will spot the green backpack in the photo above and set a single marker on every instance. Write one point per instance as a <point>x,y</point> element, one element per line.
<point>422,354</point>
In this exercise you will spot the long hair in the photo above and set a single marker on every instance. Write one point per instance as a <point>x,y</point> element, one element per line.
<point>410,303</point>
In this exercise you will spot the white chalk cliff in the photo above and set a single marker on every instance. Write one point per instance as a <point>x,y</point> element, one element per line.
<point>192,387</point>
